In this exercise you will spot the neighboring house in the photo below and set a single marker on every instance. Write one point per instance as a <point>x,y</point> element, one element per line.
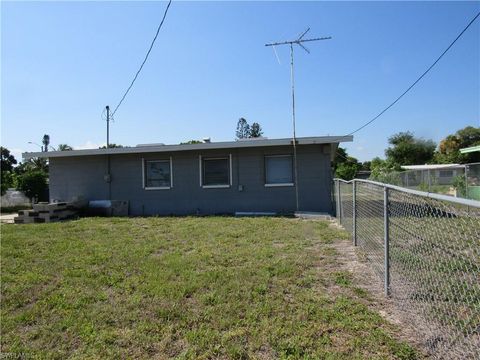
<point>207,178</point>
<point>431,174</point>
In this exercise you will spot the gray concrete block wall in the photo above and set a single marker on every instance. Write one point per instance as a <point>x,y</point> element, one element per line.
<point>84,176</point>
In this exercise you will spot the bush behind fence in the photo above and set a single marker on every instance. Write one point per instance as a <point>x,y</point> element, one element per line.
<point>425,250</point>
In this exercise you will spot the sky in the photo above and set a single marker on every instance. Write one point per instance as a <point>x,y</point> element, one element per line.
<point>63,62</point>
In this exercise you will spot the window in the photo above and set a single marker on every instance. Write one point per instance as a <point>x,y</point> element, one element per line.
<point>279,170</point>
<point>216,172</point>
<point>157,174</point>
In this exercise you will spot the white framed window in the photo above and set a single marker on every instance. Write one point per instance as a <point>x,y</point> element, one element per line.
<point>279,170</point>
<point>157,174</point>
<point>215,172</point>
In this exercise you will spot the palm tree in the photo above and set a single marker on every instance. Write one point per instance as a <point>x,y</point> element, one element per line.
<point>64,147</point>
<point>45,142</point>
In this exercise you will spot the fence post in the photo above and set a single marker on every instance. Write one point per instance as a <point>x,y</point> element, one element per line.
<point>354,213</point>
<point>339,212</point>
<point>336,198</point>
<point>335,194</point>
<point>466,182</point>
<point>429,181</point>
<point>387,240</point>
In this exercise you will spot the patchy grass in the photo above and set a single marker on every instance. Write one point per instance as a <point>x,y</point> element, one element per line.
<point>187,288</point>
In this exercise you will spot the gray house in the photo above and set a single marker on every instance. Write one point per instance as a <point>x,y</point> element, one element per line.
<point>255,175</point>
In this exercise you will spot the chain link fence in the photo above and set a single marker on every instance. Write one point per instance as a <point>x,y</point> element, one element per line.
<point>456,180</point>
<point>425,249</point>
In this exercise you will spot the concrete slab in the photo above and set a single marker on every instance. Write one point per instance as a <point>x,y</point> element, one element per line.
<point>312,215</point>
<point>7,218</point>
<point>254,213</point>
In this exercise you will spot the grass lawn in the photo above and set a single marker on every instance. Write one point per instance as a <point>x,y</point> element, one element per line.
<point>187,288</point>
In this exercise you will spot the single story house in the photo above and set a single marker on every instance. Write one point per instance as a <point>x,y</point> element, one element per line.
<point>253,175</point>
<point>432,174</point>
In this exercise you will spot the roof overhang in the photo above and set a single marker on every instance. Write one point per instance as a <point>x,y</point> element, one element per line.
<point>189,147</point>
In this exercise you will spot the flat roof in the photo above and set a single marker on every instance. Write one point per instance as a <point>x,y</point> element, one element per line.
<point>470,149</point>
<point>154,148</point>
<point>433,166</point>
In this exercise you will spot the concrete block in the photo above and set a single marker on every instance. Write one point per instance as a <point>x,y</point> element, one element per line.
<point>28,213</point>
<point>49,207</point>
<point>65,214</point>
<point>48,217</point>
<point>40,207</point>
<point>28,220</point>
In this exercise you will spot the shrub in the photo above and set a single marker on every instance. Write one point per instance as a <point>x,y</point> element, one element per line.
<point>33,184</point>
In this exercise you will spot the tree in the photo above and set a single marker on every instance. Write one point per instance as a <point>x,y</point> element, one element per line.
<point>366,166</point>
<point>7,162</point>
<point>191,142</point>
<point>384,171</point>
<point>449,148</point>
<point>243,129</point>
<point>340,156</point>
<point>406,149</point>
<point>46,142</point>
<point>347,170</point>
<point>255,130</point>
<point>377,165</point>
<point>111,146</point>
<point>33,184</point>
<point>64,147</point>
<point>34,164</point>
<point>345,166</point>
<point>31,178</point>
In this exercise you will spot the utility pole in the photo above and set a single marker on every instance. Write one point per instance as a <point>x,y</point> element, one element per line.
<point>108,126</point>
<point>298,42</point>
<point>108,178</point>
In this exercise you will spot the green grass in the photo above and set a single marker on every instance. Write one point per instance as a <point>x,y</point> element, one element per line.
<point>187,288</point>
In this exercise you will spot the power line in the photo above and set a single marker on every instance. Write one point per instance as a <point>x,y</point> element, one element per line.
<point>146,57</point>
<point>416,81</point>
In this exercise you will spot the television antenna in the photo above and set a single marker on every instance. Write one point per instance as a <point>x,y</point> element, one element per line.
<point>299,41</point>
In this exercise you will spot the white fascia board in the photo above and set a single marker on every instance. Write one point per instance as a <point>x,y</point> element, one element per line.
<point>190,147</point>
<point>432,167</point>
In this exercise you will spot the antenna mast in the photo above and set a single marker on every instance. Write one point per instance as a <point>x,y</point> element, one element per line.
<point>108,125</point>
<point>298,42</point>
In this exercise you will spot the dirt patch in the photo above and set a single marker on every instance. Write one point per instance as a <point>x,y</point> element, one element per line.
<point>348,260</point>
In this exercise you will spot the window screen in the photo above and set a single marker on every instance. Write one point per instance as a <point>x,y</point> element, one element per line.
<point>216,172</point>
<point>278,169</point>
<point>157,174</point>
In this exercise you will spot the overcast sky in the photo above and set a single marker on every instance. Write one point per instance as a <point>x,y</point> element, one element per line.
<point>62,62</point>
